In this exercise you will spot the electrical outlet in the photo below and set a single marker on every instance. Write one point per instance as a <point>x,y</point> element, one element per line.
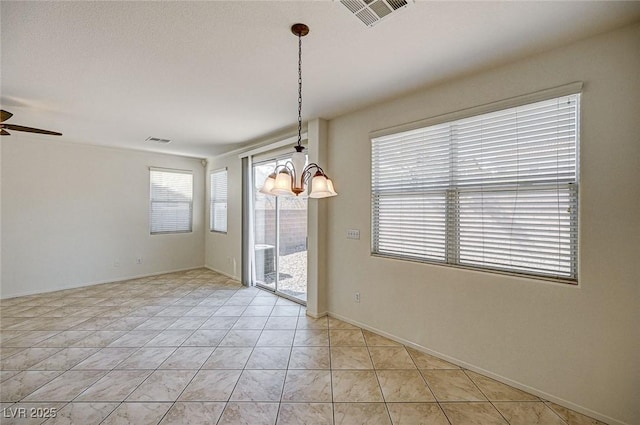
<point>353,234</point>
<point>139,260</point>
<point>356,297</point>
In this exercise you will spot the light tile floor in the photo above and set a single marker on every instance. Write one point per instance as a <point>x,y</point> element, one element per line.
<point>198,348</point>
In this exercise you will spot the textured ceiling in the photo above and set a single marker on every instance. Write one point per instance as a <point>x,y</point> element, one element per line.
<point>213,75</point>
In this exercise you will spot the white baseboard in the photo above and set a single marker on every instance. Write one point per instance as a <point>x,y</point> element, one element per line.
<point>222,273</point>
<point>317,315</point>
<point>98,282</point>
<point>542,394</point>
<point>461,363</point>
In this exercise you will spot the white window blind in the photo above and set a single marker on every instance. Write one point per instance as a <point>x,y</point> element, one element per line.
<point>171,200</point>
<point>495,191</point>
<point>218,195</point>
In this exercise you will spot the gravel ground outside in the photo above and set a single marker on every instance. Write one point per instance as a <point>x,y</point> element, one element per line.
<point>293,275</point>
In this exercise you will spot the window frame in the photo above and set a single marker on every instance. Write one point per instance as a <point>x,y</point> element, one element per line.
<point>152,202</point>
<point>451,191</point>
<point>212,202</point>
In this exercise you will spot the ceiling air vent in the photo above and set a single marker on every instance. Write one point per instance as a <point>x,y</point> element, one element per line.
<point>157,140</point>
<point>370,12</point>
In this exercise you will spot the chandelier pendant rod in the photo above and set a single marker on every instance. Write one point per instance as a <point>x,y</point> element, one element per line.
<point>290,178</point>
<point>300,88</point>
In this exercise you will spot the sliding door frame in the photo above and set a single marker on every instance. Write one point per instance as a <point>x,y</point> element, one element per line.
<point>250,251</point>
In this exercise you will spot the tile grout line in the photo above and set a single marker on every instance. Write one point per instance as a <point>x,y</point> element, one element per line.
<point>485,396</point>
<point>203,363</point>
<point>333,401</point>
<point>115,366</point>
<point>176,295</point>
<point>242,370</point>
<point>375,373</point>
<point>430,389</point>
<point>119,403</point>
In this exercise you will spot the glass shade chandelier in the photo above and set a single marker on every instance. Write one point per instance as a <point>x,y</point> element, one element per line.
<point>292,177</point>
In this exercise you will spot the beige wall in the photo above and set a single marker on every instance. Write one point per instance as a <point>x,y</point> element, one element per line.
<point>224,250</point>
<point>70,212</point>
<point>576,345</point>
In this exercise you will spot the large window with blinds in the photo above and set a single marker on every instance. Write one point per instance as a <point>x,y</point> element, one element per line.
<point>218,196</point>
<point>496,191</point>
<point>171,208</point>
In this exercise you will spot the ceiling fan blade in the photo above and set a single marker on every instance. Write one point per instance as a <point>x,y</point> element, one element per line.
<point>5,115</point>
<point>30,129</point>
<point>4,133</point>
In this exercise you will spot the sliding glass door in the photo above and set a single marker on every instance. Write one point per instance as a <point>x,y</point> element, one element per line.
<point>279,238</point>
<point>265,232</point>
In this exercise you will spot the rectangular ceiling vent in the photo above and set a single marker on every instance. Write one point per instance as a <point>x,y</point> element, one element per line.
<point>157,140</point>
<point>370,12</point>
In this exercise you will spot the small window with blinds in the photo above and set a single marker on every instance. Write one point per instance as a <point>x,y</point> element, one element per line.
<point>171,208</point>
<point>497,191</point>
<point>218,195</point>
